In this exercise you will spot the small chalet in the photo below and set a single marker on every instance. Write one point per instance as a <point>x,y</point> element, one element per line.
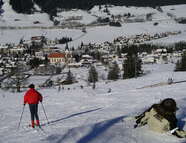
<point>37,40</point>
<point>3,49</point>
<point>19,49</point>
<point>57,58</point>
<point>86,60</point>
<point>1,71</point>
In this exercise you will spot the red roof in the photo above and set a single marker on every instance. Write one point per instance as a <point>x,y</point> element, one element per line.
<point>56,55</point>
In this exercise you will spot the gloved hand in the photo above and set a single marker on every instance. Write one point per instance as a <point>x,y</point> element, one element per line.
<point>24,104</point>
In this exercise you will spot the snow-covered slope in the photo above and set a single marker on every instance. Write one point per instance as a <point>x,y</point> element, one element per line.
<point>97,34</point>
<point>176,10</point>
<point>16,26</point>
<point>122,10</point>
<point>10,18</point>
<point>94,116</point>
<point>79,16</point>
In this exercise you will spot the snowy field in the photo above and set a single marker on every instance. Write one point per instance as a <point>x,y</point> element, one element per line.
<point>94,116</point>
<point>97,34</point>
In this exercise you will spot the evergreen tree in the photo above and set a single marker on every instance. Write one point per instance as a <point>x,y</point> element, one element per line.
<point>129,67</point>
<point>70,78</point>
<point>181,64</point>
<point>98,55</point>
<point>132,65</point>
<point>114,71</point>
<point>139,66</point>
<point>1,3</point>
<point>178,66</point>
<point>119,52</point>
<point>93,75</point>
<point>100,7</point>
<point>34,63</point>
<point>66,47</point>
<point>22,6</point>
<point>76,57</point>
<point>46,60</point>
<point>21,41</point>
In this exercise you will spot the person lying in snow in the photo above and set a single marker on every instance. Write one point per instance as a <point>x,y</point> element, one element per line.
<point>161,118</point>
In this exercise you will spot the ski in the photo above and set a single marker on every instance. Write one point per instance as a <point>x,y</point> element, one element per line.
<point>38,129</point>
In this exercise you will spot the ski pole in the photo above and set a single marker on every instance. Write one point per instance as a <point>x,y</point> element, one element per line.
<point>21,117</point>
<point>44,112</point>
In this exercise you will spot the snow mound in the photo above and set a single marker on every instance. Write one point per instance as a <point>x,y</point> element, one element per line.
<point>115,130</point>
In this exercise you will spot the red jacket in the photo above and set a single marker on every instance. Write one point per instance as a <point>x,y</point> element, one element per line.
<point>32,97</point>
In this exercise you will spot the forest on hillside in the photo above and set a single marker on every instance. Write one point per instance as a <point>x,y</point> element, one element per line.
<point>50,6</point>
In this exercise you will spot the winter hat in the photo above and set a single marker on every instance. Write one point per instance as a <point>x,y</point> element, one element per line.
<point>31,86</point>
<point>169,105</point>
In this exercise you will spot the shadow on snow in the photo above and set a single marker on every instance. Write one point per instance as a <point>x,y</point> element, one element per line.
<point>182,115</point>
<point>96,130</point>
<point>70,116</point>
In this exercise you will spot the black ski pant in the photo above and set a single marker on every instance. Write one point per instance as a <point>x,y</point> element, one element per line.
<point>33,111</point>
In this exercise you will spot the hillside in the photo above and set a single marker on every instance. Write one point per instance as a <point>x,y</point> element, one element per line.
<point>15,26</point>
<point>93,116</point>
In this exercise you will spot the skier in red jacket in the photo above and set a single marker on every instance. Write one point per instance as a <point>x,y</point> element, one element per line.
<point>33,97</point>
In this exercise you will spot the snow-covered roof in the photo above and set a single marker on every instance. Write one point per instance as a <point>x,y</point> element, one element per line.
<point>86,56</point>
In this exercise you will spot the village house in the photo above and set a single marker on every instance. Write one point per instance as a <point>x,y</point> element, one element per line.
<point>148,59</point>
<point>39,55</point>
<point>163,59</point>
<point>4,49</point>
<point>160,52</point>
<point>19,49</point>
<point>50,49</point>
<point>37,40</point>
<point>74,65</point>
<point>159,56</point>
<point>1,71</point>
<point>57,58</point>
<point>69,57</point>
<point>52,42</point>
<point>107,58</point>
<point>177,54</point>
<point>86,60</point>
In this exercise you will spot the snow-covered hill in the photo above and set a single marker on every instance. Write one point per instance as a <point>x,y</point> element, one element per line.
<point>9,18</point>
<point>16,26</point>
<point>94,116</point>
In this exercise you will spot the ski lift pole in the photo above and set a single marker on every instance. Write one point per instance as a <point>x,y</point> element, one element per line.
<point>21,117</point>
<point>44,112</point>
